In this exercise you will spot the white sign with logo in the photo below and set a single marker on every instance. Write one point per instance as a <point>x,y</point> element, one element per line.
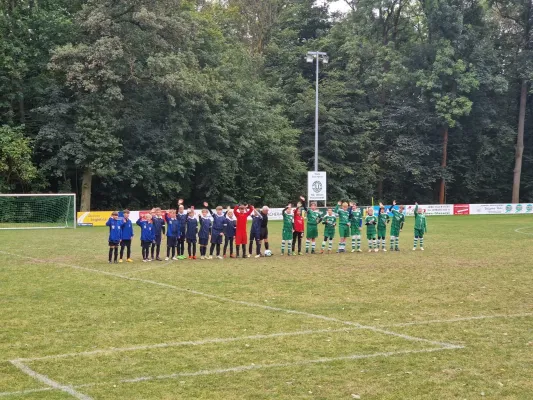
<point>526,208</point>
<point>431,209</point>
<point>316,186</point>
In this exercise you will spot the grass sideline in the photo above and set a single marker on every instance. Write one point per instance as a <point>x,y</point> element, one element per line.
<point>213,328</point>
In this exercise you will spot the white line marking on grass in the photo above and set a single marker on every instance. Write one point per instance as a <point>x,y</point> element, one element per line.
<point>24,392</point>
<point>250,304</point>
<point>460,319</point>
<point>47,381</point>
<point>147,269</point>
<point>186,343</point>
<point>519,230</point>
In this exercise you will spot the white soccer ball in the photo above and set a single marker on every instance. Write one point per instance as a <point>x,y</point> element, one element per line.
<point>268,253</point>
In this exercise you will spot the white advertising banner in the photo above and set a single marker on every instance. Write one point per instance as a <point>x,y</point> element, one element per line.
<point>525,208</point>
<point>316,186</point>
<point>431,209</point>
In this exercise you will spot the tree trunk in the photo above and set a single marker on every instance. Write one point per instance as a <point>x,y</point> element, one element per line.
<point>519,143</point>
<point>86,183</point>
<point>442,192</point>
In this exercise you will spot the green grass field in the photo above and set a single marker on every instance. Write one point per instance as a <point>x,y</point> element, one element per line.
<point>453,322</point>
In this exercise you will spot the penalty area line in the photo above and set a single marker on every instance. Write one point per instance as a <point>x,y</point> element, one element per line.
<point>251,304</point>
<point>240,368</point>
<point>519,230</point>
<point>49,382</point>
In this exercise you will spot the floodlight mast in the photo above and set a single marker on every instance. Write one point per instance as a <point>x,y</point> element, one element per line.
<point>311,57</point>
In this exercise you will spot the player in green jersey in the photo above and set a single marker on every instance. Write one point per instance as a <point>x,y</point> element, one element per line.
<point>371,222</point>
<point>383,220</point>
<point>398,218</point>
<point>286,234</point>
<point>344,224</point>
<point>313,219</point>
<point>356,219</point>
<point>421,227</point>
<point>330,221</point>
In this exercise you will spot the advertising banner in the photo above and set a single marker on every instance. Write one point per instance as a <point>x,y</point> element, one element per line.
<point>93,218</point>
<point>461,209</point>
<point>316,186</point>
<point>503,208</point>
<point>432,209</point>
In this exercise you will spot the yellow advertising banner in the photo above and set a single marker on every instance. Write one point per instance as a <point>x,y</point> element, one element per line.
<point>93,218</point>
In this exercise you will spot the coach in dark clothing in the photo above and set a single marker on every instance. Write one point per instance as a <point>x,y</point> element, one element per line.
<point>264,226</point>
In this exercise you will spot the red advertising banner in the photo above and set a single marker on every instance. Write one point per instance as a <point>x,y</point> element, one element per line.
<point>461,209</point>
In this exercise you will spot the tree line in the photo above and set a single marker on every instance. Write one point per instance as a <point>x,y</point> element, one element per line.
<point>131,103</point>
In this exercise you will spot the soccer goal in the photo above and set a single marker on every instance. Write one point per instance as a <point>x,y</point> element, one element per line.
<point>37,211</point>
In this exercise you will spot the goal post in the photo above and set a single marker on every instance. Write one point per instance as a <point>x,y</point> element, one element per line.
<point>37,211</point>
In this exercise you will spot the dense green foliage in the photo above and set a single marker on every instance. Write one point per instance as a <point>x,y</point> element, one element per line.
<point>137,102</point>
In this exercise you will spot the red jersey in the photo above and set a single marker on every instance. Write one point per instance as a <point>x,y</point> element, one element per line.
<point>241,236</point>
<point>298,223</point>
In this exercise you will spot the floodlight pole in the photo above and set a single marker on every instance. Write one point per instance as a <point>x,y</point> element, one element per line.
<point>318,56</point>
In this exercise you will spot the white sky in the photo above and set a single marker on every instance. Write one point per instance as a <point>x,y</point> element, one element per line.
<point>339,5</point>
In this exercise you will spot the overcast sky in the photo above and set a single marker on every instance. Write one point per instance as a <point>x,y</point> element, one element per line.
<point>339,5</point>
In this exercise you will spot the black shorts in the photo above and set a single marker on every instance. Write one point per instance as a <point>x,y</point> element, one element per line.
<point>203,241</point>
<point>255,235</point>
<point>157,240</point>
<point>264,233</point>
<point>191,240</point>
<point>114,243</point>
<point>125,243</point>
<point>172,241</point>
<point>216,237</point>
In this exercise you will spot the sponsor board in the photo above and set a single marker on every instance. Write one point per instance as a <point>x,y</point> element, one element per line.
<point>93,218</point>
<point>504,208</point>
<point>431,209</point>
<point>461,209</point>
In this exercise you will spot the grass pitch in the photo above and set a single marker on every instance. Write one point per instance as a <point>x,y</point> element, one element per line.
<point>453,322</point>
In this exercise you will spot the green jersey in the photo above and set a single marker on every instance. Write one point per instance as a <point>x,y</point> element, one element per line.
<point>371,223</point>
<point>313,217</point>
<point>383,218</point>
<point>344,216</point>
<point>355,221</point>
<point>288,220</point>
<point>397,222</point>
<point>329,221</point>
<point>420,221</point>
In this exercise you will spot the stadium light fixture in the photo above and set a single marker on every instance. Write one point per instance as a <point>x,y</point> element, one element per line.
<point>311,57</point>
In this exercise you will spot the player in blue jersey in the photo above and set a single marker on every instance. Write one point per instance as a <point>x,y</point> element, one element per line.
<point>159,230</point>
<point>217,232</point>
<point>147,235</point>
<point>230,229</point>
<point>192,232</point>
<point>203,234</point>
<point>127,235</point>
<point>182,216</point>
<point>115,235</point>
<point>255,233</point>
<point>173,231</point>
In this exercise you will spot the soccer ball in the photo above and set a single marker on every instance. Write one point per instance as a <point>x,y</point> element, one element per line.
<point>268,253</point>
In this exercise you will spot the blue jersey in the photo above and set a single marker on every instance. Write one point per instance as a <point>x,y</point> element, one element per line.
<point>173,227</point>
<point>218,223</point>
<point>230,227</point>
<point>256,223</point>
<point>205,227</point>
<point>159,226</point>
<point>147,230</point>
<point>183,223</point>
<point>127,229</point>
<point>192,228</point>
<point>115,231</point>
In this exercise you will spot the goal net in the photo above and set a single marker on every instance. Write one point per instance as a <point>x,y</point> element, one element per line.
<point>37,211</point>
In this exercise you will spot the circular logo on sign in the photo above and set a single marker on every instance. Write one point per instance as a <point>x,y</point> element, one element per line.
<point>529,208</point>
<point>317,186</point>
<point>518,208</point>
<point>508,208</point>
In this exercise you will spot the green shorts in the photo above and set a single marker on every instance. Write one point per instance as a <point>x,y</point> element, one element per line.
<point>355,230</point>
<point>312,231</point>
<point>371,235</point>
<point>286,234</point>
<point>419,233</point>
<point>382,232</point>
<point>344,231</point>
<point>395,232</point>
<point>329,232</point>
